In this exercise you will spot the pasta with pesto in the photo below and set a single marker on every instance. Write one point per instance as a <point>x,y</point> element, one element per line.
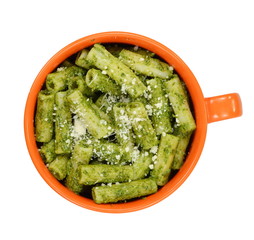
<point>113,122</point>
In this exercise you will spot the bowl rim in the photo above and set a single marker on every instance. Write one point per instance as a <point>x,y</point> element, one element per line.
<point>167,55</point>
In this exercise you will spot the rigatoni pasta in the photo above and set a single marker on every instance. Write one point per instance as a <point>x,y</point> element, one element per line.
<point>124,76</point>
<point>97,126</point>
<point>142,126</point>
<point>98,81</point>
<point>160,108</point>
<point>124,191</point>
<point>44,116</point>
<point>164,159</point>
<point>179,101</point>
<point>146,65</point>
<point>63,124</point>
<point>113,123</point>
<point>123,130</point>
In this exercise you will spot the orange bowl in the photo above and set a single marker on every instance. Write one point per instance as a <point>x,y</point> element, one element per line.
<point>205,110</point>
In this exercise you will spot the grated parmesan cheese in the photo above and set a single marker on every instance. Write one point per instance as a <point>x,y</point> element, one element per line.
<point>135,48</point>
<point>154,149</point>
<point>79,128</point>
<point>151,166</point>
<point>158,105</point>
<point>60,69</point>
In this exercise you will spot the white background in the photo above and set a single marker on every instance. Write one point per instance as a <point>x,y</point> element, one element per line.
<point>215,39</point>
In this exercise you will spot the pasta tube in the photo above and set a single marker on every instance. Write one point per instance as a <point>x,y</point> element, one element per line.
<point>96,126</point>
<point>47,151</point>
<point>81,155</point>
<point>57,81</point>
<point>141,165</point>
<point>179,101</point>
<point>123,75</point>
<point>96,80</point>
<point>124,191</point>
<point>181,151</point>
<point>78,82</point>
<point>142,127</point>
<point>63,124</point>
<point>106,102</point>
<point>165,156</point>
<point>146,65</point>
<point>59,167</point>
<point>44,126</point>
<point>81,59</point>
<point>103,173</point>
<point>109,152</point>
<point>123,130</point>
<point>161,113</point>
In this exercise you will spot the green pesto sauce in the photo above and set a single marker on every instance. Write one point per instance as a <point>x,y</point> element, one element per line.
<point>121,156</point>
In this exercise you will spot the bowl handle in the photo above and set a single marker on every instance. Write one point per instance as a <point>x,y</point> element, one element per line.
<point>223,107</point>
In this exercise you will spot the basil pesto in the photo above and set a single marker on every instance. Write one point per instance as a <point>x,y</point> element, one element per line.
<point>113,123</point>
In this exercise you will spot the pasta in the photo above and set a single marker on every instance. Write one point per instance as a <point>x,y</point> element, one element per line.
<point>123,130</point>
<point>44,116</point>
<point>124,191</point>
<point>63,121</point>
<point>97,80</point>
<point>179,101</point>
<point>146,65</point>
<point>114,124</point>
<point>124,76</point>
<point>142,126</point>
<point>161,111</point>
<point>81,105</point>
<point>164,159</point>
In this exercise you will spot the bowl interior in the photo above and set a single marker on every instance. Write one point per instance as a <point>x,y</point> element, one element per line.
<point>168,56</point>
